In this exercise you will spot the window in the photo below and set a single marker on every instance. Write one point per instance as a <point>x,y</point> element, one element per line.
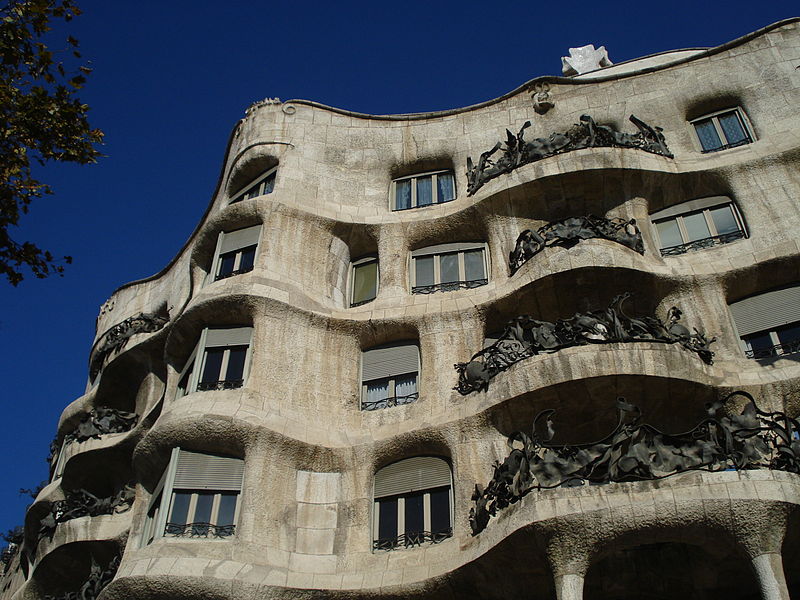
<point>236,252</point>
<point>722,130</point>
<point>263,185</point>
<point>220,361</point>
<point>198,497</point>
<point>768,324</point>
<point>448,267</point>
<point>389,376</point>
<point>413,503</point>
<point>698,224</point>
<point>363,281</point>
<point>423,189</point>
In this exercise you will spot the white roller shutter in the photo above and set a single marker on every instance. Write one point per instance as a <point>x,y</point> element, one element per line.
<point>767,311</point>
<point>228,336</point>
<point>411,475</point>
<point>199,471</point>
<point>241,238</point>
<point>445,248</point>
<point>390,361</point>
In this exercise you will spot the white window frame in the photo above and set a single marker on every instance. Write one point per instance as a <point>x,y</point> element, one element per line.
<point>714,118</point>
<point>705,206</point>
<point>259,183</point>
<point>197,366</point>
<point>391,380</point>
<point>434,175</point>
<point>443,249</point>
<point>216,265</point>
<point>352,274</point>
<point>160,505</point>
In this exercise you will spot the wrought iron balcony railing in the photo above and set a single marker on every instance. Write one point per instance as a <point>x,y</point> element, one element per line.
<point>387,402</point>
<point>202,530</point>
<point>415,538</point>
<point>361,303</point>
<point>792,347</point>
<point>233,273</point>
<point>448,287</point>
<point>714,240</point>
<point>746,140</point>
<point>225,384</point>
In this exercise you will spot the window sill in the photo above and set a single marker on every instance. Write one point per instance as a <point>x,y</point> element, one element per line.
<point>423,206</point>
<point>233,274</point>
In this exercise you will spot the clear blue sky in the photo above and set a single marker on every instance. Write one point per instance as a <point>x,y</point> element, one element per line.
<point>170,80</point>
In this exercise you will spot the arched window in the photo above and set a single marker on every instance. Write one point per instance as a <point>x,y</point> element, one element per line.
<point>389,375</point>
<point>413,503</point>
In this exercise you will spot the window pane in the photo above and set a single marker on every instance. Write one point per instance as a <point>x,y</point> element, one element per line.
<point>405,385</point>
<point>248,258</point>
<point>365,282</point>
<point>402,194</point>
<point>445,187</point>
<point>707,133</point>
<point>235,370</point>
<point>184,382</point>
<point>202,512</point>
<point>424,190</point>
<point>732,128</point>
<point>440,510</point>
<point>473,265</point>
<point>789,334</point>
<point>211,371</point>
<point>180,508</point>
<point>269,184</point>
<point>724,220</point>
<point>424,270</point>
<point>760,343</point>
<point>387,519</point>
<point>448,263</point>
<point>226,262</point>
<point>378,391</point>
<point>669,233</point>
<point>415,519</point>
<point>696,227</point>
<point>252,192</point>
<point>227,508</point>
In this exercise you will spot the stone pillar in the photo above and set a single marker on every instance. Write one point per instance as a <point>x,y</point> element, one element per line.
<point>393,260</point>
<point>771,580</point>
<point>569,586</point>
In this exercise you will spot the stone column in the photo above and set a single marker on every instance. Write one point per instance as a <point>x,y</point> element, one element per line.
<point>569,586</point>
<point>393,260</point>
<point>771,580</point>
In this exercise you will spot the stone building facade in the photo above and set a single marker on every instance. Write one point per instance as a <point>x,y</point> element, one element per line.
<point>610,260</point>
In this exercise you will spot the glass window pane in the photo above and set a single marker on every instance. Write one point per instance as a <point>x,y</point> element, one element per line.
<point>760,343</point>
<point>226,262</point>
<point>440,510</point>
<point>365,282</point>
<point>252,192</point>
<point>248,258</point>
<point>405,386</point>
<point>211,371</point>
<point>707,133</point>
<point>269,184</point>
<point>732,128</point>
<point>377,392</point>
<point>696,227</point>
<point>402,198</point>
<point>448,264</point>
<point>235,370</point>
<point>789,334</point>
<point>669,234</point>
<point>202,511</point>
<point>227,508</point>
<point>415,517</point>
<point>424,190</point>
<point>180,508</point>
<point>723,219</point>
<point>184,382</point>
<point>424,270</point>
<point>445,187</point>
<point>473,265</point>
<point>387,519</point>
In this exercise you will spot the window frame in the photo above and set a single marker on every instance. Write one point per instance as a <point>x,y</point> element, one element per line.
<point>257,182</point>
<point>195,364</point>
<point>714,119</point>
<point>391,380</point>
<point>213,274</point>
<point>678,212</point>
<point>767,312</point>
<point>439,250</point>
<point>434,189</point>
<point>351,279</point>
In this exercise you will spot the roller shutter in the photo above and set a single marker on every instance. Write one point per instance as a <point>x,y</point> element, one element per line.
<point>199,471</point>
<point>411,475</point>
<point>390,361</point>
<point>767,311</point>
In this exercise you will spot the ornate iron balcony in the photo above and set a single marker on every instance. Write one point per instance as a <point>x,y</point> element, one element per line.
<point>792,347</point>
<point>199,530</point>
<point>448,287</point>
<point>361,303</point>
<point>415,538</point>
<point>742,142</point>
<point>387,402</point>
<point>225,384</point>
<point>708,242</point>
<point>233,273</point>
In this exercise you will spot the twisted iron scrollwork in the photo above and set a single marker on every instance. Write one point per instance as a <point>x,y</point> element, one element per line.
<point>792,347</point>
<point>708,242</point>
<point>572,230</point>
<point>525,336</point>
<point>81,503</point>
<point>586,134</point>
<point>635,451</point>
<point>99,421</point>
<point>116,337</point>
<point>389,402</point>
<point>449,286</point>
<point>204,530</point>
<point>99,578</point>
<point>415,538</point>
<point>224,384</point>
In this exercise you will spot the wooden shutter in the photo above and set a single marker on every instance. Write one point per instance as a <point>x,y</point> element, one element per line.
<point>767,311</point>
<point>412,475</point>
<point>241,238</point>
<point>390,361</point>
<point>199,471</point>
<point>228,336</point>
